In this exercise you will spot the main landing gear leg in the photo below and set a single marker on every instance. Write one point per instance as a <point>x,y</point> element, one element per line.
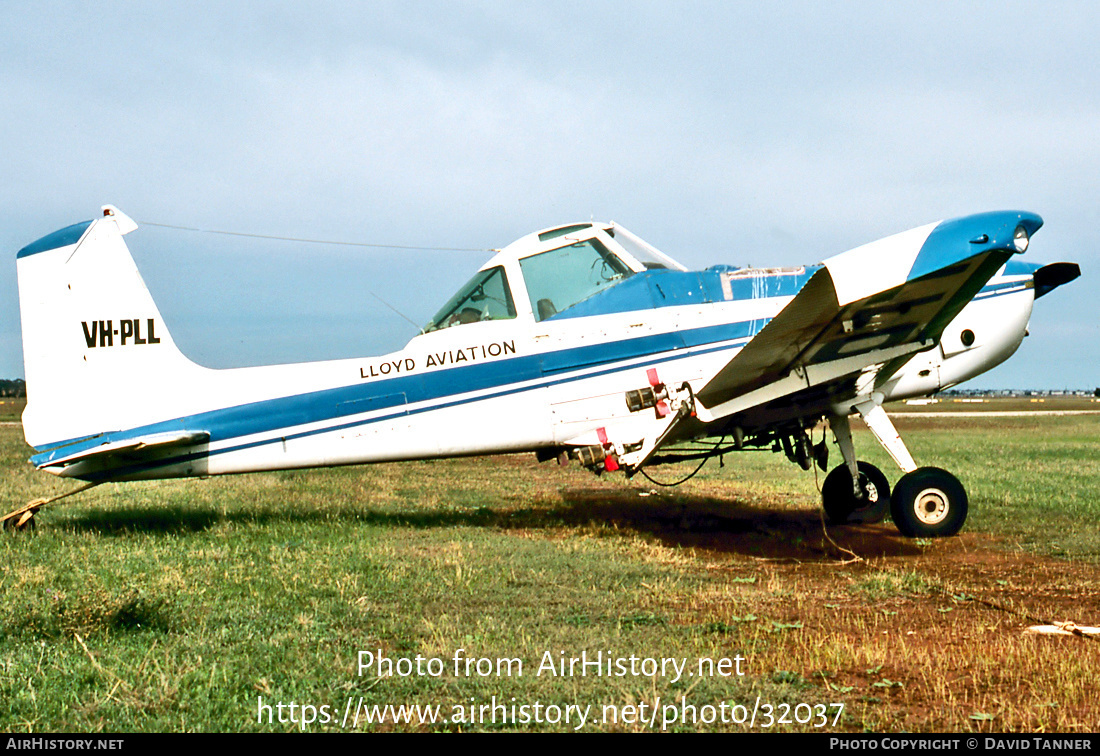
<point>926,503</point>
<point>879,422</point>
<point>855,492</point>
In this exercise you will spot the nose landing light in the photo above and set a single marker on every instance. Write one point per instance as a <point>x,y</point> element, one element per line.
<point>1020,239</point>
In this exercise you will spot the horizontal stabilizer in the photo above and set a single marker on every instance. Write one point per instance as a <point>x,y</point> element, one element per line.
<point>130,449</point>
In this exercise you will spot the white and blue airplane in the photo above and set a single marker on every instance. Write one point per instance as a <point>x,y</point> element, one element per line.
<point>580,341</point>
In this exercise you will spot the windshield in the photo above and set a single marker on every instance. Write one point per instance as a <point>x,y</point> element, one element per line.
<point>558,279</point>
<point>485,297</point>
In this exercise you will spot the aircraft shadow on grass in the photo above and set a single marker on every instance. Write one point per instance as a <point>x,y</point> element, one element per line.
<point>718,526</point>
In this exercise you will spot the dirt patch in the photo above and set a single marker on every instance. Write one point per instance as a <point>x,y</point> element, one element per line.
<point>920,635</point>
<point>731,527</point>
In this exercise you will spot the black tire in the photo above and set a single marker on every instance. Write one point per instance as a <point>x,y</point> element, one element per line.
<point>929,503</point>
<point>839,500</point>
<point>10,525</point>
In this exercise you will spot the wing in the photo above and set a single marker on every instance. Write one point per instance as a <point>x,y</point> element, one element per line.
<point>862,315</point>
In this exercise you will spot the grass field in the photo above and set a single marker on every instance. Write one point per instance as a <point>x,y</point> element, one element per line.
<point>1002,404</point>
<point>11,409</point>
<point>190,605</point>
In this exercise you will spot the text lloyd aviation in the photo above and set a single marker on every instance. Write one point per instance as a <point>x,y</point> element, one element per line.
<point>468,354</point>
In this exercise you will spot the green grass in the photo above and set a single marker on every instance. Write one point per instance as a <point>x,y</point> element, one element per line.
<point>175,605</point>
<point>11,409</point>
<point>884,585</point>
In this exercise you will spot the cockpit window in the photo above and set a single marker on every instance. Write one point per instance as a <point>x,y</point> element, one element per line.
<point>554,233</point>
<point>558,279</point>
<point>645,253</point>
<point>485,297</point>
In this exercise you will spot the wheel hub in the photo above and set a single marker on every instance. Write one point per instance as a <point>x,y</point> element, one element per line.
<point>931,506</point>
<point>870,492</point>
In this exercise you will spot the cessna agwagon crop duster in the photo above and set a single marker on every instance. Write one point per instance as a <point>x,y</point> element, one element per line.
<point>580,341</point>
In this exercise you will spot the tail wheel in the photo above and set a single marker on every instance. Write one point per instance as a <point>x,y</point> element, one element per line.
<point>25,521</point>
<point>929,503</point>
<point>840,502</point>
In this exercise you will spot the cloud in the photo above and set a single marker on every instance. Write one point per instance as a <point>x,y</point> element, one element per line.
<point>730,133</point>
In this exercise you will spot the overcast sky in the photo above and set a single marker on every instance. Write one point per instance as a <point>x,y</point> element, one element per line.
<point>759,133</point>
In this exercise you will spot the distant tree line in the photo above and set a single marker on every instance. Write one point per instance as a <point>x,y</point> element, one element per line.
<point>17,387</point>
